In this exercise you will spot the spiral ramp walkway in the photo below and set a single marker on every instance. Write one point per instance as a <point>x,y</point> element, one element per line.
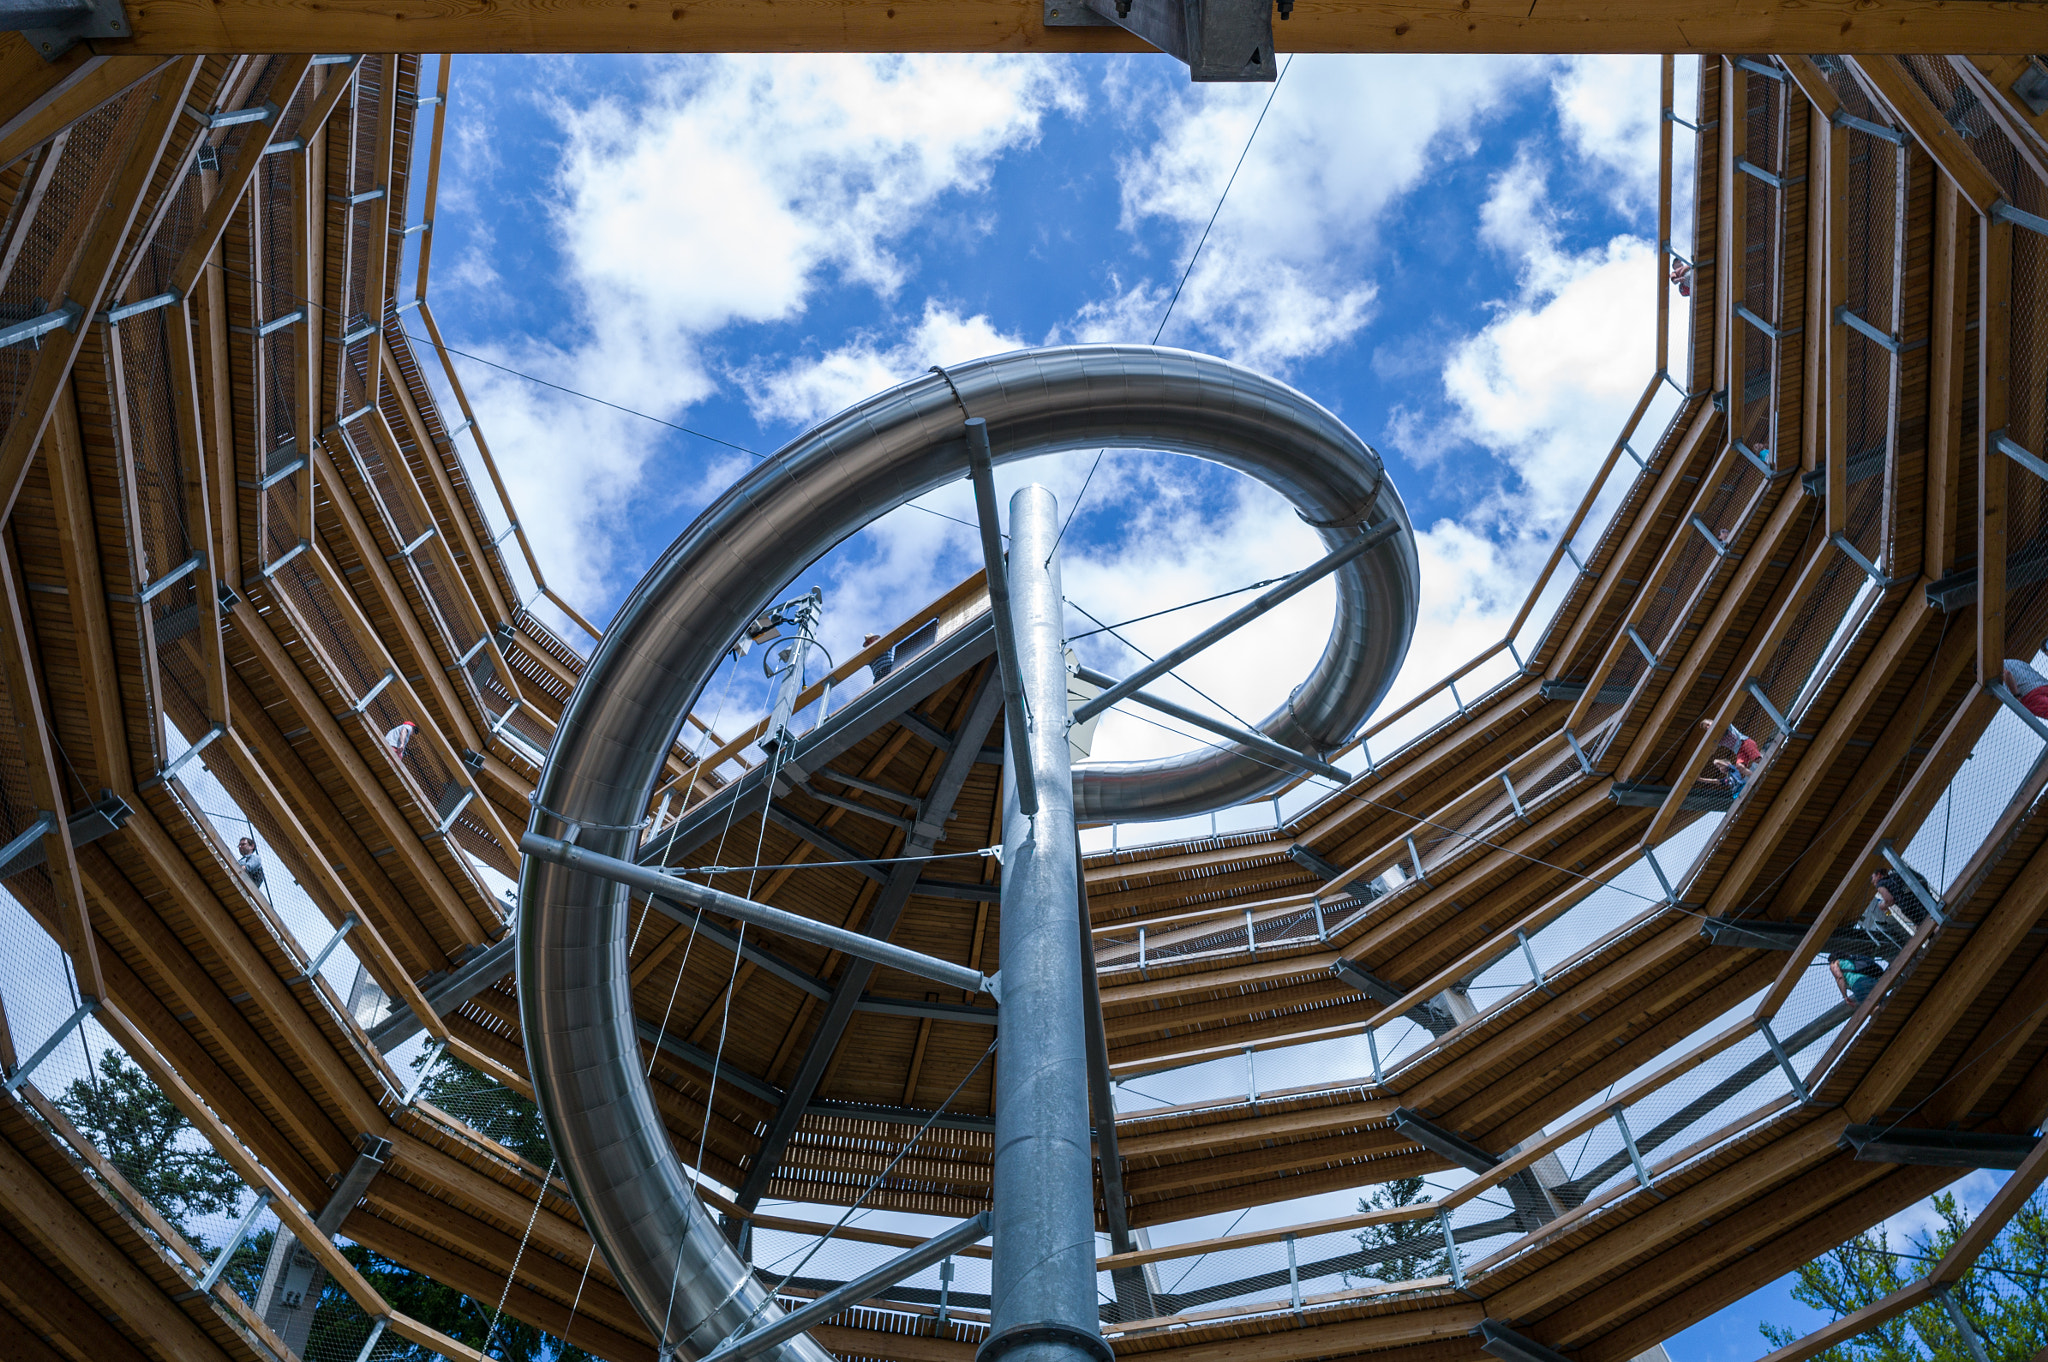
<point>243,543</point>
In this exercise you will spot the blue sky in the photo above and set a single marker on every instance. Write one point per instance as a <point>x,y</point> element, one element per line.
<point>1456,255</point>
<point>1453,254</point>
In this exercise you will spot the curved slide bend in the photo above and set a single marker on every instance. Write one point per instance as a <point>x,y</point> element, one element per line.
<point>670,635</point>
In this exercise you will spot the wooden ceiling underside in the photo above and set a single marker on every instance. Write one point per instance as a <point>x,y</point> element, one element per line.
<point>343,577</point>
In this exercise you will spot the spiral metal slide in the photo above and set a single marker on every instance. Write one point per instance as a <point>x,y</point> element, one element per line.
<point>671,634</point>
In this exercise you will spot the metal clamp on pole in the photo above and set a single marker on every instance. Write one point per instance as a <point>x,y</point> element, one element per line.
<point>1016,722</point>
<point>1928,899</point>
<point>1763,1025</point>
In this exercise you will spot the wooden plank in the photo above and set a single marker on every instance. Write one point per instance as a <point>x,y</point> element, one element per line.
<point>100,258</point>
<point>68,1236</point>
<point>45,97</point>
<point>1006,26</point>
<point>1994,470</point>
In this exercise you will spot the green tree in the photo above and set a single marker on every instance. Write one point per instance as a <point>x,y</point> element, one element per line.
<point>339,1329</point>
<point>145,1136</point>
<point>487,1107</point>
<point>1405,1250</point>
<point>2001,1295</point>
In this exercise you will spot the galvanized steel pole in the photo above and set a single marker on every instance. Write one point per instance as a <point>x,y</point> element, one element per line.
<point>1042,1305</point>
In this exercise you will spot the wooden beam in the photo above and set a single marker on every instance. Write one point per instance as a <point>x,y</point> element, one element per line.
<point>290,1213</point>
<point>35,1292</point>
<point>25,698</point>
<point>69,1236</point>
<point>1006,26</point>
<point>1994,470</point>
<point>99,260</point>
<point>45,97</point>
<point>235,180</point>
<point>1886,79</point>
<point>1948,378</point>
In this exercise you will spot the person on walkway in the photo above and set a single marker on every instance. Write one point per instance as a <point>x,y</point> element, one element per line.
<point>1896,900</point>
<point>1741,748</point>
<point>2028,686</point>
<point>1681,275</point>
<point>400,737</point>
<point>251,860</point>
<point>1855,975</point>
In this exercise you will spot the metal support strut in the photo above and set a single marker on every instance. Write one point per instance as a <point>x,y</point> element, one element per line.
<point>1042,1301</point>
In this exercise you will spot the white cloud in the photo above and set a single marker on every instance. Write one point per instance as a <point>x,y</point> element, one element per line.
<point>1609,107</point>
<point>1285,272</point>
<point>723,192</point>
<point>809,390</point>
<point>1544,388</point>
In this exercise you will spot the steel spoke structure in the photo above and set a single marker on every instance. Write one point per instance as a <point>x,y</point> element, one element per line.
<point>1534,949</point>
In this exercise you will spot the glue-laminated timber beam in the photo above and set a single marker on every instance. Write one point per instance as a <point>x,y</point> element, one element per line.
<point>1756,1230</point>
<point>267,989</point>
<point>336,842</point>
<point>1782,531</point>
<point>1002,25</point>
<point>416,1208</point>
<point>446,709</point>
<point>44,96</point>
<point>1954,236</point>
<point>46,1302</point>
<point>482,590</point>
<point>1811,775</point>
<point>236,179</point>
<point>25,698</point>
<point>1922,789</point>
<point>100,257</point>
<point>485,1283</point>
<point>1991,941</point>
<point>1615,587</point>
<point>66,1235</point>
<point>325,886</point>
<point>342,752</point>
<point>192,985</point>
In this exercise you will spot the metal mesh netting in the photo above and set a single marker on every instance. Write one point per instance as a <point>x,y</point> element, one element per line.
<point>82,163</point>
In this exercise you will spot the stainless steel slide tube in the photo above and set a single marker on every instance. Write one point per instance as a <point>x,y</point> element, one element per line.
<point>1042,1302</point>
<point>666,642</point>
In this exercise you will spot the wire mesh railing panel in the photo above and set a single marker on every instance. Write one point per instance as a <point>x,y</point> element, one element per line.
<point>81,172</point>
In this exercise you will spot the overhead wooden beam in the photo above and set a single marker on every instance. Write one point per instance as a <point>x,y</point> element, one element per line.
<point>68,1236</point>
<point>42,98</point>
<point>1006,26</point>
<point>97,264</point>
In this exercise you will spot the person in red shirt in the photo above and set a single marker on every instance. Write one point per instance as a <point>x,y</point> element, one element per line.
<point>2028,686</point>
<point>1742,748</point>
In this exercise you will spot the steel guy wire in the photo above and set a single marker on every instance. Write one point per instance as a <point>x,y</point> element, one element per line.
<point>1167,316</point>
<point>1221,595</point>
<point>485,1346</point>
<point>1111,630</point>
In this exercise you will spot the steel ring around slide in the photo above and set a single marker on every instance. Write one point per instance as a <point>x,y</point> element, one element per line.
<point>668,638</point>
